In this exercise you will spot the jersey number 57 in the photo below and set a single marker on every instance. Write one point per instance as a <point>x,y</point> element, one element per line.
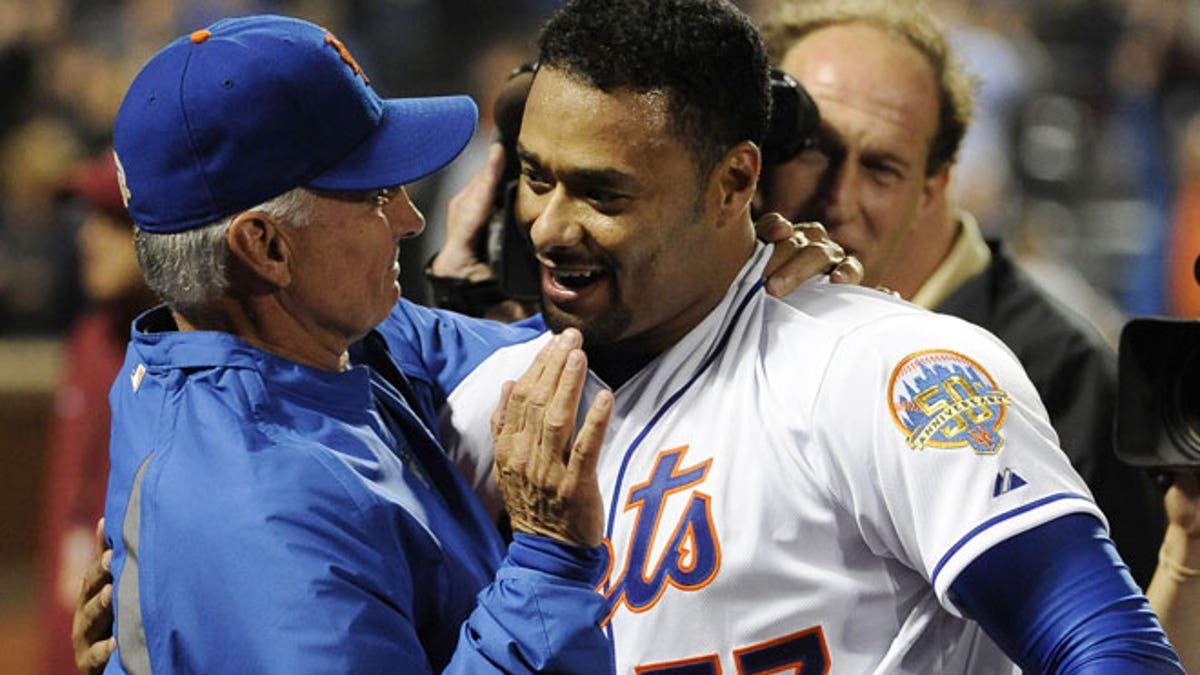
<point>802,653</point>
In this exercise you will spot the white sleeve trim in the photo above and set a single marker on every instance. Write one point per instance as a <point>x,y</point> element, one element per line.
<point>1001,528</point>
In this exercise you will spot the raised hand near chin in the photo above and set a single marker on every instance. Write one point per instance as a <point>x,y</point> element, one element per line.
<point>545,470</point>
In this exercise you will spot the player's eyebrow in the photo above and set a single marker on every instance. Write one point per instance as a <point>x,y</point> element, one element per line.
<point>607,178</point>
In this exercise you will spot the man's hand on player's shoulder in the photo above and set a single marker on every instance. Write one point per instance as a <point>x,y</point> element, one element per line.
<point>802,251</point>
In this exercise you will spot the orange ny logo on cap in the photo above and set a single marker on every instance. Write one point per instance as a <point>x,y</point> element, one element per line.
<point>346,56</point>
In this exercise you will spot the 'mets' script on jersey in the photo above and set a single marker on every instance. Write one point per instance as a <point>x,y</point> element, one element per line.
<point>794,486</point>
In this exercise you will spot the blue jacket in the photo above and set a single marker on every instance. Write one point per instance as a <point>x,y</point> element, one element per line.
<point>266,516</point>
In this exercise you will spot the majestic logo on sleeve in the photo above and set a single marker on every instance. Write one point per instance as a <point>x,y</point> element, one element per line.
<point>943,399</point>
<point>689,557</point>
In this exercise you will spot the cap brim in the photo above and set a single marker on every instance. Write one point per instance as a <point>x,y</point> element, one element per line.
<point>415,137</point>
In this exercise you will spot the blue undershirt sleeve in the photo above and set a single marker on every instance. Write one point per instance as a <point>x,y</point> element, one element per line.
<point>1058,599</point>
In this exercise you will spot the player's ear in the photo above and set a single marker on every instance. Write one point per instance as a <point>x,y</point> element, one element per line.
<point>261,247</point>
<point>737,177</point>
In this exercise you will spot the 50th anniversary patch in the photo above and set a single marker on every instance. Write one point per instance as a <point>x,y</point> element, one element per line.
<point>943,399</point>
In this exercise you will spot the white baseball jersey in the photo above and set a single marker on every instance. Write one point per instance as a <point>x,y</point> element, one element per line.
<point>794,486</point>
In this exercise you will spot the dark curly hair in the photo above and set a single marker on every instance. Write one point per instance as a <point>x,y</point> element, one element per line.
<point>705,56</point>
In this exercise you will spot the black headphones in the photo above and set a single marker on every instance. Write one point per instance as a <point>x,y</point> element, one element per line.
<point>792,127</point>
<point>794,122</point>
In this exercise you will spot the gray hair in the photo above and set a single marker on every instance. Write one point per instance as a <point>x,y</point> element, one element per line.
<point>190,269</point>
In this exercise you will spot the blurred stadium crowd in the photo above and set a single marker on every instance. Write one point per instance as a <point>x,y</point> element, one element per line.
<point>1085,149</point>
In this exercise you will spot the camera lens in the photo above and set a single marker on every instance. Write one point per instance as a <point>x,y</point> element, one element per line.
<point>1184,413</point>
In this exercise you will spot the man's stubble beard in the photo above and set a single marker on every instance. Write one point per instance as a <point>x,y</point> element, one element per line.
<point>605,330</point>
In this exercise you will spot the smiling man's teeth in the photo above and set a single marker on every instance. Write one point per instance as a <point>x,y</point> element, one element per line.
<point>574,278</point>
<point>575,274</point>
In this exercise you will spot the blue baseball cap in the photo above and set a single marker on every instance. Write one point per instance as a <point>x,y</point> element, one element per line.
<point>249,108</point>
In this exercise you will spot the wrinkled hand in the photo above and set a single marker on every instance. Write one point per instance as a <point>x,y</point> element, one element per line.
<point>91,629</point>
<point>466,221</point>
<point>802,251</point>
<point>549,482</point>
